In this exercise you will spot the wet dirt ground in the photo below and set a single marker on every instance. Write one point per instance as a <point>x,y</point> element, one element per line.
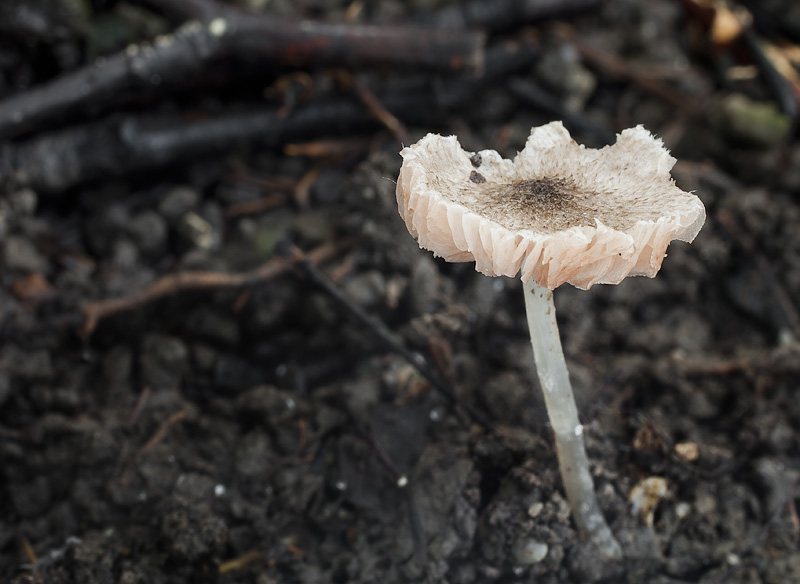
<point>260,433</point>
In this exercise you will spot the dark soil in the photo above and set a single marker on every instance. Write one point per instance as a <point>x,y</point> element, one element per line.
<point>261,434</point>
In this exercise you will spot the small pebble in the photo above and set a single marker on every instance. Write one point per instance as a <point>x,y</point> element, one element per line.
<point>197,231</point>
<point>535,509</point>
<point>177,202</point>
<point>367,289</point>
<point>20,253</point>
<point>687,451</point>
<point>23,202</point>
<point>530,551</point>
<point>149,232</point>
<point>437,414</point>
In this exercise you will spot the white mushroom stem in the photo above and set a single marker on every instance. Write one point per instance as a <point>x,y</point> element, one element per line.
<point>563,414</point>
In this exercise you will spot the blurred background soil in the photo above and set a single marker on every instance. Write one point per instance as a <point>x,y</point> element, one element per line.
<point>183,400</point>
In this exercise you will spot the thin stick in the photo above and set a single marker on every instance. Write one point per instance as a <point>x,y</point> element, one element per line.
<point>161,432</point>
<point>374,105</point>
<point>384,334</point>
<point>171,284</point>
<point>563,414</point>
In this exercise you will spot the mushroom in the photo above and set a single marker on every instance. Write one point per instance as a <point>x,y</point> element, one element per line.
<point>558,212</point>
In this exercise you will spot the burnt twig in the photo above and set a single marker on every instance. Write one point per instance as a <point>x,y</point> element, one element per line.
<point>504,14</point>
<point>122,146</point>
<point>179,11</point>
<point>417,530</point>
<point>230,33</point>
<point>785,93</point>
<point>385,335</point>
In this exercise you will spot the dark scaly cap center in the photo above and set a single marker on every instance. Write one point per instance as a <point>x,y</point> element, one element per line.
<point>545,204</point>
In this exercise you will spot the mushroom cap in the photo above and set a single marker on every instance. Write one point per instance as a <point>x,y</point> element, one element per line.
<point>559,212</point>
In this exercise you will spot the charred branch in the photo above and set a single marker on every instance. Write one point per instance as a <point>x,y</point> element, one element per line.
<point>504,14</point>
<point>382,333</point>
<point>122,146</point>
<point>200,44</point>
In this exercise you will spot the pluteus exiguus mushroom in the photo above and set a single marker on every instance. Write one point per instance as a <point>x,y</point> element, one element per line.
<point>558,213</point>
